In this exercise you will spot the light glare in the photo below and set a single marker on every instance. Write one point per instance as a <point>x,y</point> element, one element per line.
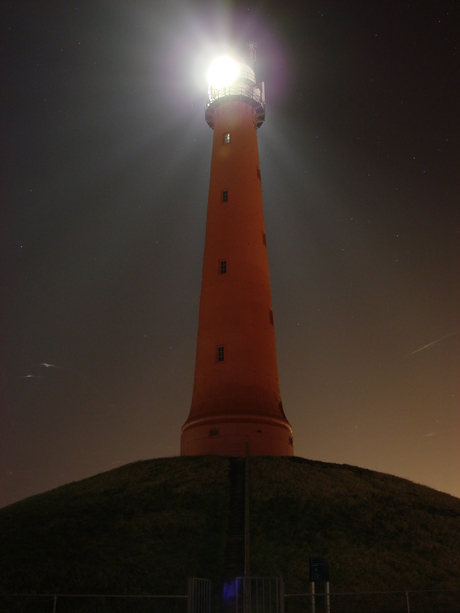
<point>222,72</point>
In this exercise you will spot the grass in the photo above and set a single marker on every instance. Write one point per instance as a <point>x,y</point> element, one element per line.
<point>378,532</point>
<point>142,528</point>
<point>145,527</point>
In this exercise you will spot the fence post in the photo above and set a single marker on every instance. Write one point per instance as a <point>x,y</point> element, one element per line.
<point>407,601</point>
<point>54,603</point>
<point>312,597</point>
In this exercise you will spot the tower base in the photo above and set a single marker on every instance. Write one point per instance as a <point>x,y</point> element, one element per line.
<point>265,436</point>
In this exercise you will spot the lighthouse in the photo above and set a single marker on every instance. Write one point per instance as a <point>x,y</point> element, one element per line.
<point>236,397</point>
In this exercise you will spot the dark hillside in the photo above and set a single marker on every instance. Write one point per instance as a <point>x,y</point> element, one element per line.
<point>141,528</point>
<point>378,532</point>
<point>146,527</point>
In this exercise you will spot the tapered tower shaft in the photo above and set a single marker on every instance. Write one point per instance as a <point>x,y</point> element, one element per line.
<point>236,394</point>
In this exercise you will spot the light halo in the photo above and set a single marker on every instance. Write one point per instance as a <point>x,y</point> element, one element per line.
<point>223,71</point>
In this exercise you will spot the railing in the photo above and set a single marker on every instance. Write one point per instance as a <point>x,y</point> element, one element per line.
<point>113,603</point>
<point>260,595</point>
<point>409,601</point>
<point>238,90</point>
<point>199,595</point>
<point>254,595</point>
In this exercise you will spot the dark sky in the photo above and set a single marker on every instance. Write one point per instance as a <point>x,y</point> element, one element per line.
<point>104,181</point>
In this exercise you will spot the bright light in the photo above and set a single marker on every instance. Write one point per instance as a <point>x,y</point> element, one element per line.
<point>222,72</point>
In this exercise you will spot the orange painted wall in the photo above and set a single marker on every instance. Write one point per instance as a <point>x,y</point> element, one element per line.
<point>238,399</point>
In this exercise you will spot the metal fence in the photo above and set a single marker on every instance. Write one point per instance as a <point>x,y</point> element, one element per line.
<point>91,603</point>
<point>250,595</point>
<point>199,595</point>
<point>421,601</point>
<point>254,595</point>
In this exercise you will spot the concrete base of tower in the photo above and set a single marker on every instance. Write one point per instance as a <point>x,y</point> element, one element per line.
<point>213,437</point>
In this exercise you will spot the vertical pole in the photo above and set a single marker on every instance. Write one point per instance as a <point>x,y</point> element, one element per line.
<point>247,543</point>
<point>328,598</point>
<point>281,595</point>
<point>55,602</point>
<point>407,602</point>
<point>312,597</point>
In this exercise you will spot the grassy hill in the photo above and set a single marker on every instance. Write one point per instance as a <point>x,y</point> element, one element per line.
<point>145,527</point>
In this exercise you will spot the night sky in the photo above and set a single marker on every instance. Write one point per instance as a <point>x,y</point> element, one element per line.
<point>104,182</point>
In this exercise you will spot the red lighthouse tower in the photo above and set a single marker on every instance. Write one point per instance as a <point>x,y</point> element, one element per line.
<point>236,394</point>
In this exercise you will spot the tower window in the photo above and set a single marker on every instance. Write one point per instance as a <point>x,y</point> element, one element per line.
<point>290,441</point>
<point>214,432</point>
<point>264,238</point>
<point>223,267</point>
<point>258,173</point>
<point>270,314</point>
<point>225,195</point>
<point>227,138</point>
<point>220,353</point>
